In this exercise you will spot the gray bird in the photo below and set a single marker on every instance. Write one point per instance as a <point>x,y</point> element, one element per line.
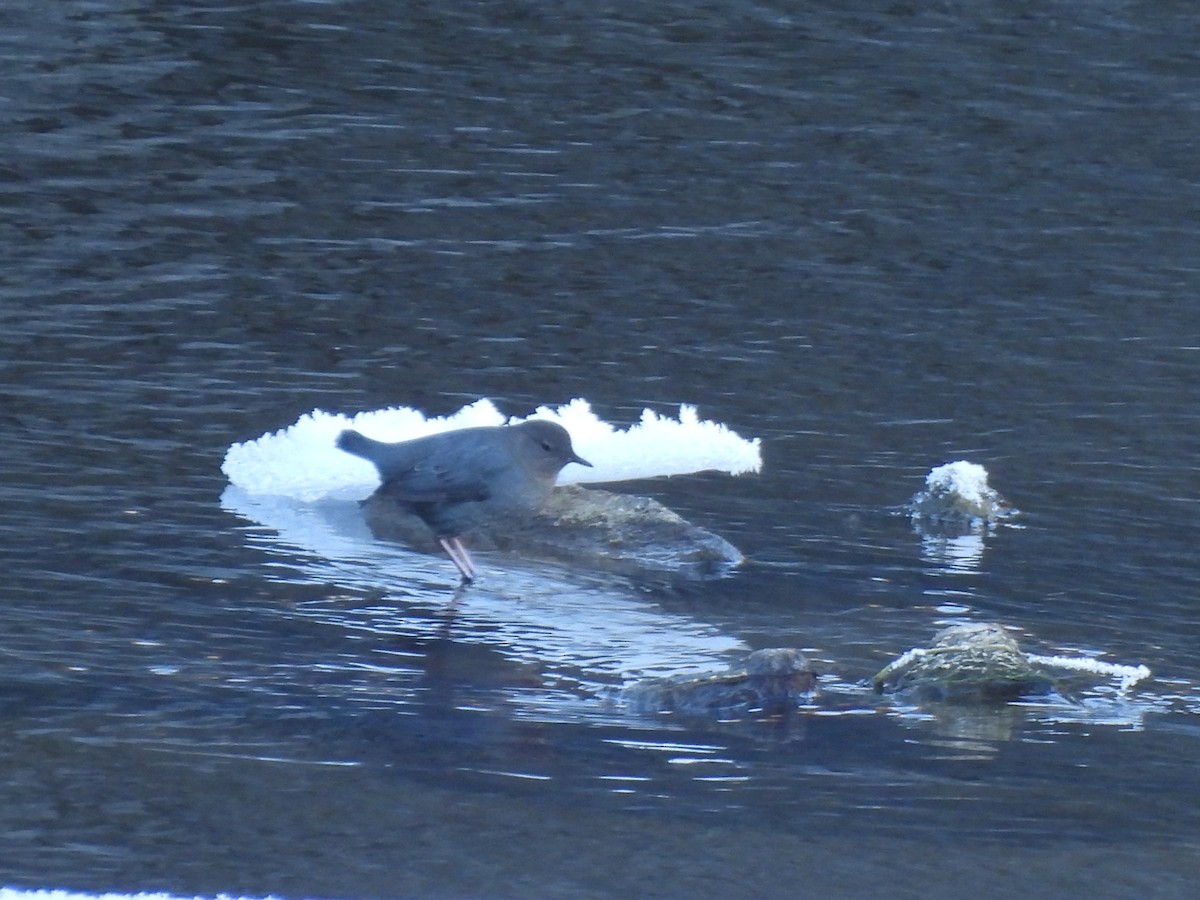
<point>458,480</point>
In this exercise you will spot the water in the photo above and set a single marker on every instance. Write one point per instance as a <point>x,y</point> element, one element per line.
<point>879,237</point>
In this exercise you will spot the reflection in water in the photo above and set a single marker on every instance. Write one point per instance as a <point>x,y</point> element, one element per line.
<point>584,628</point>
<point>953,554</point>
<point>582,634</point>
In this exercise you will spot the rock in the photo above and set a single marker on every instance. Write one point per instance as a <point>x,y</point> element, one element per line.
<point>957,499</point>
<point>965,663</point>
<point>585,527</point>
<point>769,681</point>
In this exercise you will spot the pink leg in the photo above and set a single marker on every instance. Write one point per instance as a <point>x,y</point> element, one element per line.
<point>459,556</point>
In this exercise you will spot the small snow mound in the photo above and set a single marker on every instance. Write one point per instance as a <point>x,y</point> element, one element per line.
<point>957,494</point>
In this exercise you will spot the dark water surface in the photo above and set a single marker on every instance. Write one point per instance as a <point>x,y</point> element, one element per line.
<point>879,236</point>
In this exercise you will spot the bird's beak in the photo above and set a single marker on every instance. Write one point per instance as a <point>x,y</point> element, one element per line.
<point>576,458</point>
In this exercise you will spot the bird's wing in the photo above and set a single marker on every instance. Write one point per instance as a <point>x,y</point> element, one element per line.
<point>427,482</point>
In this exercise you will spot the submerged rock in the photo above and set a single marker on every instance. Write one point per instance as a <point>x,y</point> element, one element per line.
<point>586,527</point>
<point>768,681</point>
<point>965,663</point>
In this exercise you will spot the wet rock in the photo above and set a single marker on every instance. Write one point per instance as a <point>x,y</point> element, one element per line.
<point>768,681</point>
<point>586,527</point>
<point>965,663</point>
<point>957,499</point>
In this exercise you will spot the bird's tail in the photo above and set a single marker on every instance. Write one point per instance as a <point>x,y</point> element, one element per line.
<point>389,459</point>
<point>353,442</point>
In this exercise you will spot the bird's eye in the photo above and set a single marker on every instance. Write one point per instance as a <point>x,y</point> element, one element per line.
<point>546,446</point>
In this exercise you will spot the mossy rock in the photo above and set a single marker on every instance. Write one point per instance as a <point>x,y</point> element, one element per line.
<point>769,681</point>
<point>965,663</point>
<point>586,527</point>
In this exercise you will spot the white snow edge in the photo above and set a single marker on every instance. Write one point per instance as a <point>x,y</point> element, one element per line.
<point>302,461</point>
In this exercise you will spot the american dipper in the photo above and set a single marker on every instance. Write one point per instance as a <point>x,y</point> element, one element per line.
<point>459,480</point>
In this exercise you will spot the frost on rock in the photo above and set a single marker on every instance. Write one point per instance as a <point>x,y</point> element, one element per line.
<point>982,662</point>
<point>965,663</point>
<point>957,498</point>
